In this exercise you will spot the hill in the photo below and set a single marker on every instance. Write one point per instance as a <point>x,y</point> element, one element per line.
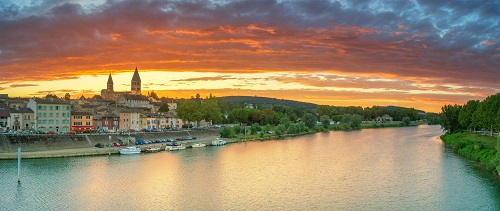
<point>268,102</point>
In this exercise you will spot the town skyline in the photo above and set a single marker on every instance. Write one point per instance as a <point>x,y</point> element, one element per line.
<point>416,54</point>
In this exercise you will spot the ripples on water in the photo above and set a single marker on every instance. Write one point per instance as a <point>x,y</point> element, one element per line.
<point>375,169</point>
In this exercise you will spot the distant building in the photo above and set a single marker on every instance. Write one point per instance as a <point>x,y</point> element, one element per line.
<point>130,119</point>
<point>110,122</point>
<point>384,118</point>
<point>51,114</point>
<point>135,87</point>
<point>133,101</point>
<point>4,116</point>
<point>22,119</point>
<point>81,121</point>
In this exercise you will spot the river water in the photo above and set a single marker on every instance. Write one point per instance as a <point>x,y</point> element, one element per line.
<point>372,169</point>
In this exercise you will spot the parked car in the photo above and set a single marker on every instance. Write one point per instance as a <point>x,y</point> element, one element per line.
<point>116,144</point>
<point>189,138</point>
<point>99,145</point>
<point>139,142</point>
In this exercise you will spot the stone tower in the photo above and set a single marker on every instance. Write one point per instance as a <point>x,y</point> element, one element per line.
<point>110,83</point>
<point>136,83</point>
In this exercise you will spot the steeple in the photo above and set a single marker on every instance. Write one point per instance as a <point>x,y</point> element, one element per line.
<point>136,83</point>
<point>110,83</point>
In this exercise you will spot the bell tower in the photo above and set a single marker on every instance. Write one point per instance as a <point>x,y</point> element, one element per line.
<point>136,83</point>
<point>110,84</point>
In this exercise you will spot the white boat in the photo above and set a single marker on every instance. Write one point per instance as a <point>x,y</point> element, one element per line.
<point>174,147</point>
<point>152,149</point>
<point>198,145</point>
<point>130,150</point>
<point>218,142</point>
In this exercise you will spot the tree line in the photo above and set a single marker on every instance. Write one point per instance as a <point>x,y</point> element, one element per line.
<point>220,111</point>
<point>474,115</point>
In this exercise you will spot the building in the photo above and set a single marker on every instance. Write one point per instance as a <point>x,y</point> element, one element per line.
<point>133,101</point>
<point>81,121</point>
<point>385,118</point>
<point>4,116</point>
<point>51,114</point>
<point>130,119</point>
<point>22,119</point>
<point>110,122</point>
<point>135,85</point>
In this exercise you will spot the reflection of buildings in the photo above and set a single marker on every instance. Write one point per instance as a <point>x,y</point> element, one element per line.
<point>135,87</point>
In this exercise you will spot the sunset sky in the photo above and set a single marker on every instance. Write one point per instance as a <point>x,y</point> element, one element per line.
<point>412,53</point>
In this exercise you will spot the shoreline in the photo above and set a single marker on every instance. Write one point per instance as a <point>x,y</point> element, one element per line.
<point>204,136</point>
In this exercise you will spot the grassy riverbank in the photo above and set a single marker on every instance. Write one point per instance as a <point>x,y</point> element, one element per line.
<point>474,146</point>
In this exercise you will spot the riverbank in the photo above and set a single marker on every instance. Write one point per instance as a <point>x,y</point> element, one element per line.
<point>54,146</point>
<point>476,147</point>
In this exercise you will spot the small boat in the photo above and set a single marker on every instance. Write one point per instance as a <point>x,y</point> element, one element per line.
<point>218,142</point>
<point>130,150</point>
<point>152,149</point>
<point>198,145</point>
<point>174,147</point>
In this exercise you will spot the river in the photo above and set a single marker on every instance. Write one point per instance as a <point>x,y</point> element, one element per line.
<point>372,169</point>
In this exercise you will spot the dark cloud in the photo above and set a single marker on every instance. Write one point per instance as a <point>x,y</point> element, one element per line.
<point>215,78</point>
<point>22,85</point>
<point>449,41</point>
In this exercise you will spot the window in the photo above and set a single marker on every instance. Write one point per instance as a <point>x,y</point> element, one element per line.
<point>27,117</point>
<point>44,114</point>
<point>39,107</point>
<point>50,114</point>
<point>67,108</point>
<point>87,123</point>
<point>57,115</point>
<point>57,121</point>
<point>77,124</point>
<point>88,117</point>
<point>50,108</point>
<point>57,108</point>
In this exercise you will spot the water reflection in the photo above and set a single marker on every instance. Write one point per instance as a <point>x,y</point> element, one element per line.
<point>392,168</point>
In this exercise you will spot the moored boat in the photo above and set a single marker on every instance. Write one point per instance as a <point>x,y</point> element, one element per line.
<point>174,147</point>
<point>198,145</point>
<point>218,142</point>
<point>152,149</point>
<point>130,150</point>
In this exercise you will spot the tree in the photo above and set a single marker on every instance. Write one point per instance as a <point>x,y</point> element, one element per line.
<point>292,129</point>
<point>356,121</point>
<point>406,121</point>
<point>325,120</point>
<point>301,127</point>
<point>285,121</point>
<point>210,111</point>
<point>153,95</point>
<point>67,96</point>
<point>487,113</point>
<point>163,108</point>
<point>267,128</point>
<point>188,111</point>
<point>449,118</point>
<point>254,128</point>
<point>310,120</point>
<point>467,112</point>
<point>51,96</point>
<point>280,130</point>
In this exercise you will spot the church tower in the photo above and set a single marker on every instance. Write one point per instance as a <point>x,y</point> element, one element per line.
<point>110,84</point>
<point>136,83</point>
